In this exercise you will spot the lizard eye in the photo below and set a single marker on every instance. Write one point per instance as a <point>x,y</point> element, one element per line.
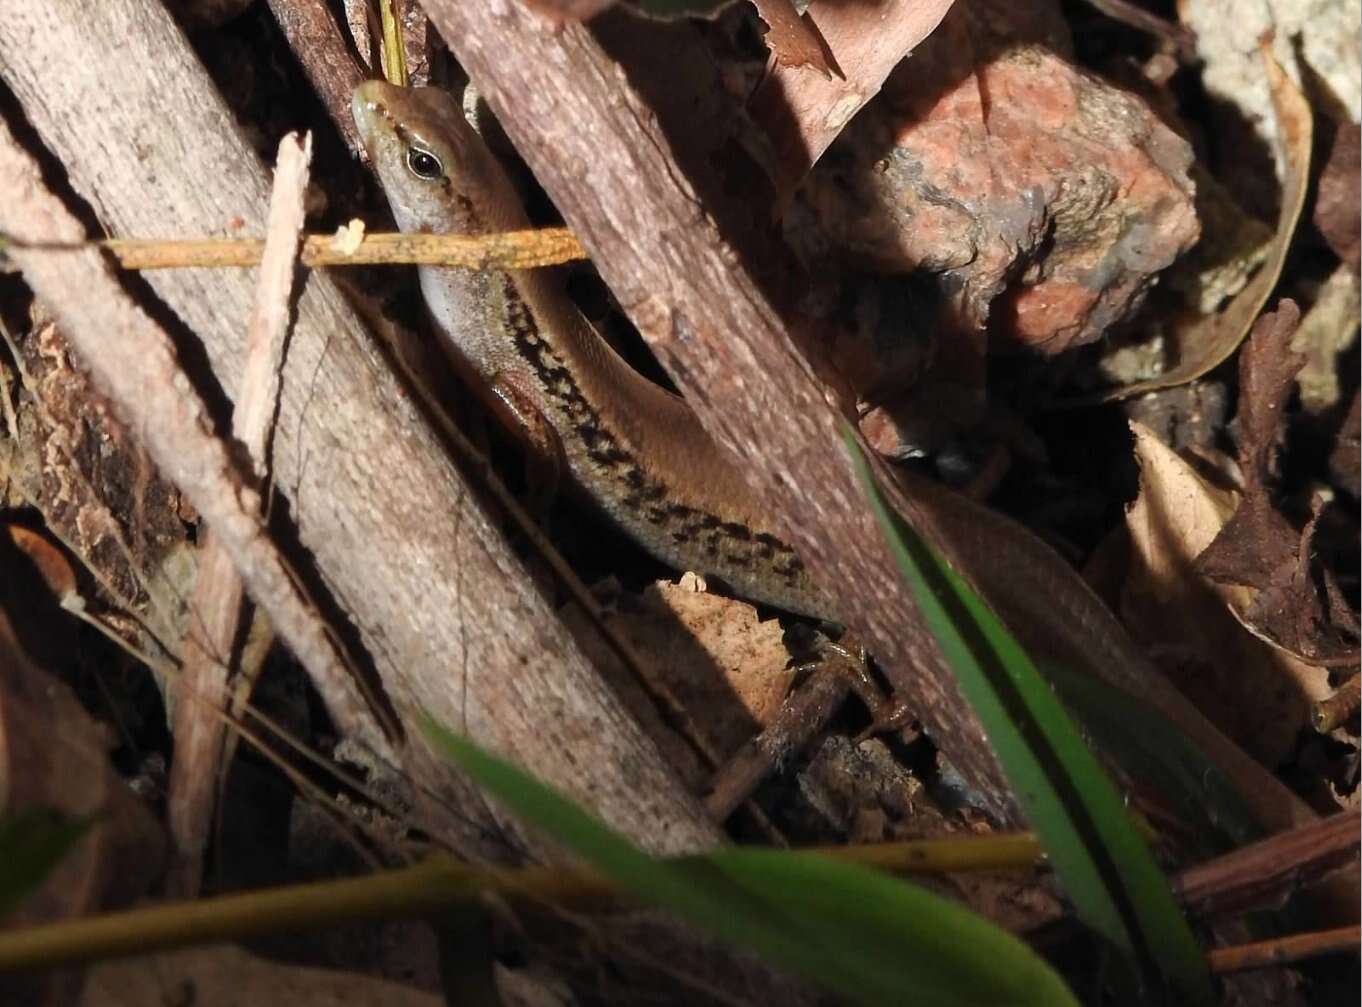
<point>424,164</point>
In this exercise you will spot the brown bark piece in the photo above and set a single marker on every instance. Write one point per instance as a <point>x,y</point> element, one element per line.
<point>1044,199</point>
<point>576,10</point>
<point>97,491</point>
<point>598,153</point>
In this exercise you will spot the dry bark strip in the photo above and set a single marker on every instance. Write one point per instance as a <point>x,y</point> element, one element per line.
<point>451,622</point>
<point>597,150</point>
<point>216,611</point>
<point>1265,873</point>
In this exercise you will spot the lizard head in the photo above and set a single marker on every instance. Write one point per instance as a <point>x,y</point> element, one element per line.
<point>435,170</point>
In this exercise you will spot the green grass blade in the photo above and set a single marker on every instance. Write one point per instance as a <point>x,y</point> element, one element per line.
<point>1144,743</point>
<point>869,937</point>
<point>32,843</point>
<point>1103,864</point>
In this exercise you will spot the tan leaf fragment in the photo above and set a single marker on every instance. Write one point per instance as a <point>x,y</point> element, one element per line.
<point>51,565</point>
<point>727,667</point>
<point>793,39</point>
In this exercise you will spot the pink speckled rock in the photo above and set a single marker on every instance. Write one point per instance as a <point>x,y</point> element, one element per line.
<point>1046,200</point>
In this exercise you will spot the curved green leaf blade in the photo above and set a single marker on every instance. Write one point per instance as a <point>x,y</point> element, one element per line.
<point>1104,865</point>
<point>871,938</point>
<point>1149,746</point>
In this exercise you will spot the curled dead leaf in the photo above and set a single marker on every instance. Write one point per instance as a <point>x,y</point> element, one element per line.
<point>1338,204</point>
<point>1258,694</point>
<point>793,39</point>
<point>1286,602</point>
<point>49,561</point>
<point>1205,342</point>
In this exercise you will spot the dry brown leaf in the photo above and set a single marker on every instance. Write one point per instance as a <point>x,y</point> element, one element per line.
<point>1207,341</point>
<point>793,39</point>
<point>1259,695</point>
<point>1338,208</point>
<point>1286,603</point>
<point>804,108</point>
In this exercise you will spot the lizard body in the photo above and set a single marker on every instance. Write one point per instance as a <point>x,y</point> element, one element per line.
<point>636,449</point>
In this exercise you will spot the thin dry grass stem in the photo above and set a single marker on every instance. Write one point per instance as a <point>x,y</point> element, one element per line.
<point>1284,950</point>
<point>429,887</point>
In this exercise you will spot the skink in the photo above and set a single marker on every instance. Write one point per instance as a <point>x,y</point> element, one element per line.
<point>642,455</point>
<point>636,449</point>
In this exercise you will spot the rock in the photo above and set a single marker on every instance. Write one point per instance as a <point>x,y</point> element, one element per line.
<point>1044,200</point>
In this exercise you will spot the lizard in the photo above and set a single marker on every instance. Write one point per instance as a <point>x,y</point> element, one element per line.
<point>633,447</point>
<point>641,455</point>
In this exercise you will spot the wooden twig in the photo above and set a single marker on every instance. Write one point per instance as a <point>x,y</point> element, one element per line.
<point>508,250</point>
<point>1266,872</point>
<point>804,713</point>
<point>316,39</point>
<point>1283,950</point>
<point>437,884</point>
<point>216,609</point>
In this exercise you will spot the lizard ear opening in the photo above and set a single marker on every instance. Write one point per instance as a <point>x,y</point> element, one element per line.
<point>424,164</point>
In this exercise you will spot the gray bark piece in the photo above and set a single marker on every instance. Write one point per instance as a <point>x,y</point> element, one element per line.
<point>444,610</point>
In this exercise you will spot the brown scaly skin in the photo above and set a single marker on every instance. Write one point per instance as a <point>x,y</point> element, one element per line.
<point>636,449</point>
